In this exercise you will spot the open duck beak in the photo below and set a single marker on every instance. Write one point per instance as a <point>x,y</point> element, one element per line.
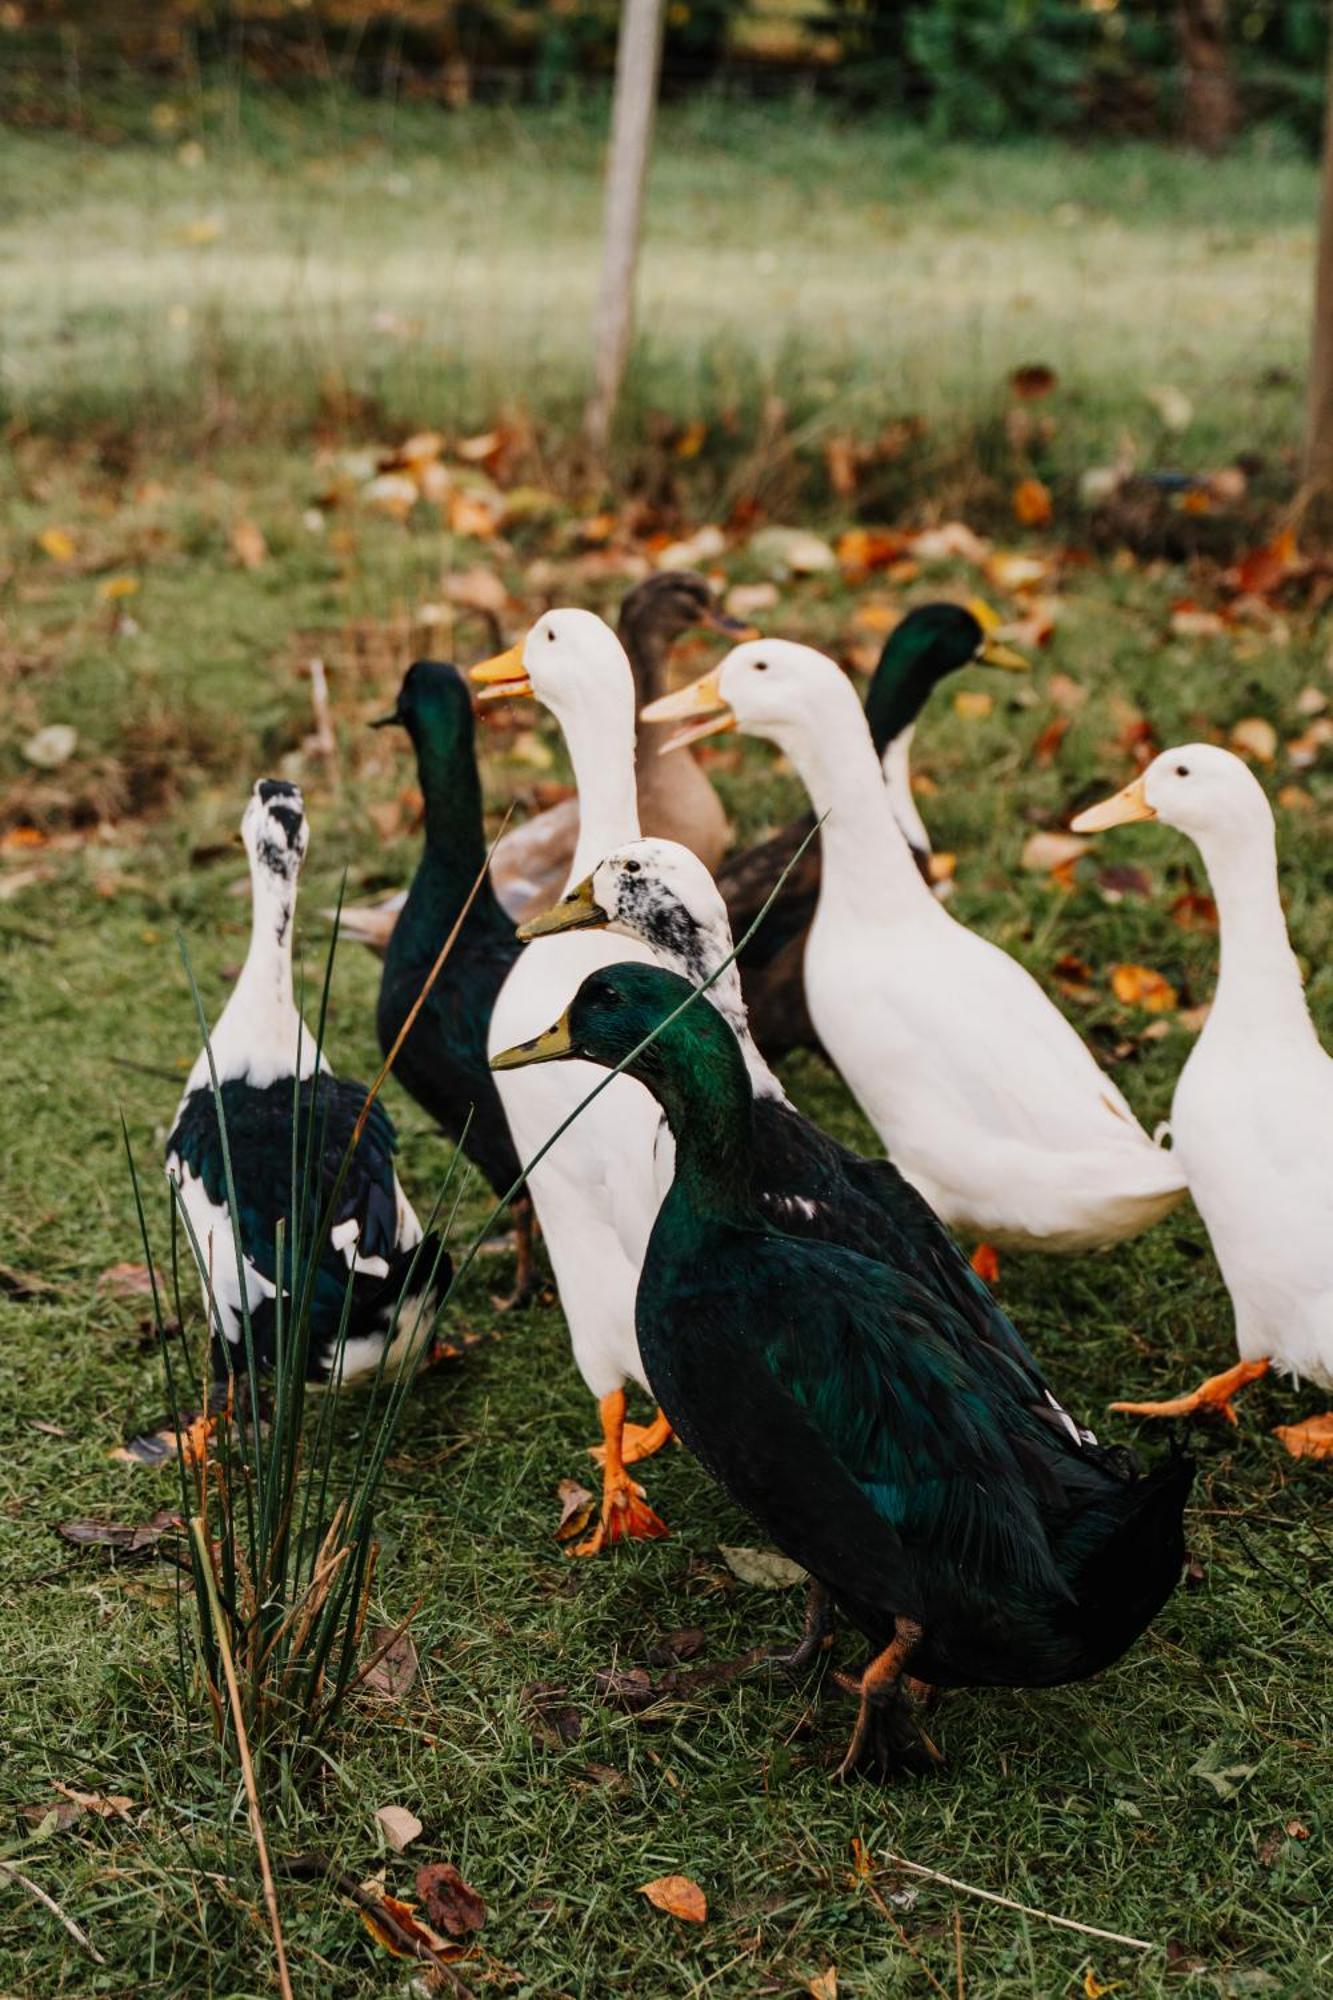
<point>501,676</point>
<point>1129,804</point>
<point>578,911</point>
<point>556,1043</point>
<point>701,698</point>
<point>990,653</point>
<point>732,628</point>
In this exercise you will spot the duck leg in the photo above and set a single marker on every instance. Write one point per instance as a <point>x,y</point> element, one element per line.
<point>1215,1394</point>
<point>816,1632</point>
<point>887,1735</point>
<point>1311,1439</point>
<point>525,1262</point>
<point>625,1514</point>
<point>638,1441</point>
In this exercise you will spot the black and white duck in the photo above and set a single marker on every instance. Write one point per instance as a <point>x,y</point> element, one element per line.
<point>290,1124</point>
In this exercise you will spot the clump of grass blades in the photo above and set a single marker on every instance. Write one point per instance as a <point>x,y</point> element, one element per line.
<point>283,1547</point>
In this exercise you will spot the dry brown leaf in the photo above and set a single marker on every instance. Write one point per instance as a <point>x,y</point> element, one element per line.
<point>1304,750</point>
<point>1190,621</point>
<point>473,516</point>
<point>1295,798</point>
<point>1068,694</point>
<point>1140,986</point>
<point>1255,737</point>
<point>824,1985</point>
<point>678,1896</point>
<point>393,1675</point>
<point>954,541</point>
<point>248,544</point>
<point>1033,380</point>
<point>449,1901</point>
<point>576,1509</point>
<point>1261,570</point>
<point>1031,502</point>
<point>942,866</point>
<point>1046,748</point>
<point>862,549</point>
<point>106,1805</point>
<point>1046,851</point>
<point>130,1537</point>
<point>401,1827</point>
<point>126,1281</point>
<point>1194,912</point>
<point>407,1921</point>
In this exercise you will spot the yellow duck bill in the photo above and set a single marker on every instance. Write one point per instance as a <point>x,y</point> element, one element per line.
<point>991,653</point>
<point>503,675</point>
<point>578,911</point>
<point>1126,805</point>
<point>551,1046</point>
<point>702,698</point>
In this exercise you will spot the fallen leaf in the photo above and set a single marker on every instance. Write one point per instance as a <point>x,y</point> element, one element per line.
<point>824,1985</point>
<point>954,541</point>
<point>1140,986</point>
<point>1033,380</point>
<point>112,588</point>
<point>1294,1830</point>
<point>792,551</point>
<point>674,1648</point>
<point>702,547</point>
<point>1305,749</point>
<point>1093,1988</point>
<point>1311,1439</point>
<point>401,1827</point>
<point>863,549</point>
<point>126,1281</point>
<point>678,1896</point>
<point>556,1719</point>
<point>1046,748</point>
<point>1295,798</point>
<point>57,543</point>
<point>405,1918</point>
<point>1031,502</point>
<point>132,1538</point>
<point>477,588</point>
<point>449,1901</point>
<point>392,493</point>
<point>985,1262</point>
<point>1008,570</point>
<point>1046,851</point>
<point>1194,912</point>
<point>1073,977</point>
<point>1172,405</point>
<point>106,1805</point>
<point>22,839</point>
<point>1255,737</point>
<point>973,704</point>
<point>248,544</point>
<point>56,1816</point>
<point>744,600</point>
<point>473,516</point>
<point>1191,621</point>
<point>1226,1780</point>
<point>1068,695</point>
<point>1120,879</point>
<point>393,1674</point>
<point>577,1505</point>
<point>764,1567</point>
<point>941,866</point>
<point>1311,701</point>
<point>692,439</point>
<point>51,746</point>
<point>1261,570</point>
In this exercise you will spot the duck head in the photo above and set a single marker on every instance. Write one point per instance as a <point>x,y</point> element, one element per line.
<point>274,830</point>
<point>931,642</point>
<point>652,890</point>
<point>1203,791</point>
<point>570,660</point>
<point>616,1009</point>
<point>767,687</point>
<point>659,611</point>
<point>434,706</point>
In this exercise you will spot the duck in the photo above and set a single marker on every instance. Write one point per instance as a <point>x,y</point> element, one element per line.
<point>980,1090</point>
<point>530,864</point>
<point>441,1061</point>
<point>662,897</point>
<point>919,1477</point>
<point>593,1186</point>
<point>931,642</point>
<point>1252,1111</point>
<point>281,1102</point>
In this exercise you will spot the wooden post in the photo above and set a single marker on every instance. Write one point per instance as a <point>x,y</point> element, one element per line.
<point>638,61</point>
<point>1317,488</point>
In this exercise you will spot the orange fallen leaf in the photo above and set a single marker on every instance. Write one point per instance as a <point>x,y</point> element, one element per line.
<point>973,704</point>
<point>985,1261</point>
<point>17,839</point>
<point>577,1506</point>
<point>1093,1988</point>
<point>113,587</point>
<point>869,548</point>
<point>1311,1439</point>
<point>1047,746</point>
<point>692,439</point>
<point>1255,737</point>
<point>824,1985</point>
<point>1295,798</point>
<point>472,517</point>
<point>1007,570</point>
<point>107,1805</point>
<point>450,1902</point>
<point>1031,502</point>
<point>1194,912</point>
<point>409,1926</point>
<point>942,866</point>
<point>57,543</point>
<point>678,1896</point>
<point>1260,570</point>
<point>248,544</point>
<point>1140,986</point>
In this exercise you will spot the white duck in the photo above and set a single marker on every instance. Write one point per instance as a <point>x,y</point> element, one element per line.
<point>1252,1118</point>
<point>980,1090</point>
<point>596,1192</point>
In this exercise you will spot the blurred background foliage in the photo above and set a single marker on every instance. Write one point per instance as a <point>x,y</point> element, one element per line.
<point>1198,70</point>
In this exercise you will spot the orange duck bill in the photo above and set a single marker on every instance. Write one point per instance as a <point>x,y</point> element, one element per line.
<point>502,676</point>
<point>700,704</point>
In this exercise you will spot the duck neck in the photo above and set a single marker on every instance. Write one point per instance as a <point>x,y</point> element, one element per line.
<point>893,703</point>
<point>1259,981</point>
<point>259,1029</point>
<point>455,849</point>
<point>864,852</point>
<point>710,1110</point>
<point>601,749</point>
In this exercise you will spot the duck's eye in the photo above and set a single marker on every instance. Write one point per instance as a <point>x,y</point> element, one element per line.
<point>550,633</point>
<point>632,867</point>
<point>1182,770</point>
<point>761,666</point>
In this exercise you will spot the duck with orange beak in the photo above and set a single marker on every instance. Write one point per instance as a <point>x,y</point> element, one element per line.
<point>1252,1116</point>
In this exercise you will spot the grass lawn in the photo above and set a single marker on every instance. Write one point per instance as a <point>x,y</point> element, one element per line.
<point>1181,1799</point>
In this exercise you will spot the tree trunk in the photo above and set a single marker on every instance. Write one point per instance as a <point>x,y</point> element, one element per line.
<point>638,61</point>
<point>1317,493</point>
<point>1208,108</point>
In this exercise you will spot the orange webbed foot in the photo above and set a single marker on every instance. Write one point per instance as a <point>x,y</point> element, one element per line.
<point>1311,1439</point>
<point>1215,1395</point>
<point>625,1513</point>
<point>637,1441</point>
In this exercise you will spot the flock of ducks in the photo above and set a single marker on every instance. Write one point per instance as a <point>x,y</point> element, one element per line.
<point>800,1315</point>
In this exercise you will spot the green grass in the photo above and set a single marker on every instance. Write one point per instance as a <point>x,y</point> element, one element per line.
<point>441,267</point>
<point>1094,1802</point>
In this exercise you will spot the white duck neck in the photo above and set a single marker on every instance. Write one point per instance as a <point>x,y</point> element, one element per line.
<point>601,749</point>
<point>1258,981</point>
<point>260,1026</point>
<point>864,850</point>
